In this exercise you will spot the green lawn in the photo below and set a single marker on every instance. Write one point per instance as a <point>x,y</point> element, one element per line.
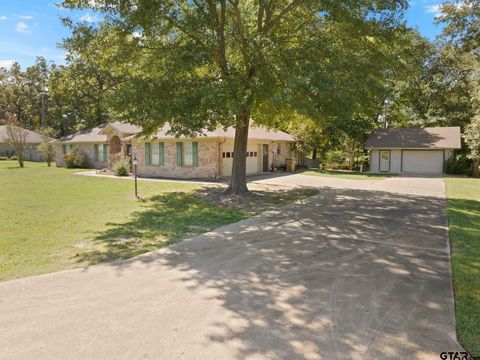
<point>52,220</point>
<point>464,224</point>
<point>345,174</point>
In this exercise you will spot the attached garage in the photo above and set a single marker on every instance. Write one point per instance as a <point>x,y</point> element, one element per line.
<point>412,151</point>
<point>252,161</point>
<point>422,161</point>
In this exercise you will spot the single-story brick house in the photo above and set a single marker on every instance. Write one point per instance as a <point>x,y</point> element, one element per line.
<point>164,155</point>
<point>32,139</point>
<point>412,150</point>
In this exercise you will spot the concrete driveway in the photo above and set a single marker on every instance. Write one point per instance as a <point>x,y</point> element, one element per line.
<point>360,271</point>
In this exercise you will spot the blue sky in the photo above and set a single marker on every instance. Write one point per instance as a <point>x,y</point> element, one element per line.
<point>30,28</point>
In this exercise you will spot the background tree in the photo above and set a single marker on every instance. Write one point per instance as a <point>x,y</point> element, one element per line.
<point>218,63</point>
<point>16,137</point>
<point>47,148</point>
<point>472,138</point>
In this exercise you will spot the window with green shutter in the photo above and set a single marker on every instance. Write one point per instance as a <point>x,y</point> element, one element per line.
<point>179,154</point>
<point>195,153</point>
<point>64,149</point>
<point>161,156</point>
<point>95,152</point>
<point>147,154</point>
<point>105,152</point>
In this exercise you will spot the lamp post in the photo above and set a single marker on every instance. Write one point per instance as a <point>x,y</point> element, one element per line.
<point>135,163</point>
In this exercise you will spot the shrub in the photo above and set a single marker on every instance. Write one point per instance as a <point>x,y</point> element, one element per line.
<point>13,157</point>
<point>121,167</point>
<point>75,159</point>
<point>458,165</point>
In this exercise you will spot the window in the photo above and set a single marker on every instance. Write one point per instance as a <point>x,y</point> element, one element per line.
<point>229,154</point>
<point>70,148</point>
<point>187,153</point>
<point>100,152</point>
<point>64,149</point>
<point>154,154</point>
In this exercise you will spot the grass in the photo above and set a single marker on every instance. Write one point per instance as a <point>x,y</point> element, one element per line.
<point>463,197</point>
<point>52,220</point>
<point>354,175</point>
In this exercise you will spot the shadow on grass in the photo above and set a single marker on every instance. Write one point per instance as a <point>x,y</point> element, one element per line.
<point>170,217</point>
<point>163,220</point>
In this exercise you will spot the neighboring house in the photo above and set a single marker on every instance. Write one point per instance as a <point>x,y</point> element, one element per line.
<point>164,155</point>
<point>412,150</point>
<point>32,140</point>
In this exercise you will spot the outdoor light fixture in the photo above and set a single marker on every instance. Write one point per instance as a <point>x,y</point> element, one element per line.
<point>135,163</point>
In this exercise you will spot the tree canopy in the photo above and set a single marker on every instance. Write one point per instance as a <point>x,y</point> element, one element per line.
<point>203,64</point>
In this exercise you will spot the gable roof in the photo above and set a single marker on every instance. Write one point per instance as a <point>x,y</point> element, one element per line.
<point>98,134</point>
<point>254,132</point>
<point>121,127</point>
<point>86,136</point>
<point>31,138</point>
<point>415,138</point>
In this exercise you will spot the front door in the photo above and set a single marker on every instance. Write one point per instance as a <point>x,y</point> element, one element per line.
<point>265,158</point>
<point>384,161</point>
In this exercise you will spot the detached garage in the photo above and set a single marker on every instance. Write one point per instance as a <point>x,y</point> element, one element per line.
<point>412,150</point>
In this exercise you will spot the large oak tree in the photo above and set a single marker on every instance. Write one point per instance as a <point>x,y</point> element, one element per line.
<point>203,64</point>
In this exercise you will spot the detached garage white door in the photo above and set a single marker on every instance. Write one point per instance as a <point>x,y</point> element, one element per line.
<point>422,162</point>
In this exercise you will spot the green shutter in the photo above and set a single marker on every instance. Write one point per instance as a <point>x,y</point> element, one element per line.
<point>161,160</point>
<point>195,153</point>
<point>95,152</point>
<point>105,152</point>
<point>147,154</point>
<point>64,149</point>
<point>179,154</point>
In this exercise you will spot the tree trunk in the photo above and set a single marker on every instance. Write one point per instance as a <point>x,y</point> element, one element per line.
<point>238,184</point>
<point>314,153</point>
<point>476,170</point>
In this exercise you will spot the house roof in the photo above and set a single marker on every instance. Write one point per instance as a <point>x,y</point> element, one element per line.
<point>86,136</point>
<point>121,127</point>
<point>415,138</point>
<point>31,138</point>
<point>254,132</point>
<point>98,134</point>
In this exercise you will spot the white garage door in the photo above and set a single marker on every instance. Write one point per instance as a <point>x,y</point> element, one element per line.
<point>423,162</point>
<point>252,162</point>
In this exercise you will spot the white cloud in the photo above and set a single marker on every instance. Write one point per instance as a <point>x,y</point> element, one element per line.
<point>436,10</point>
<point>26,17</point>
<point>433,9</point>
<point>22,27</point>
<point>6,63</point>
<point>3,17</point>
<point>89,18</point>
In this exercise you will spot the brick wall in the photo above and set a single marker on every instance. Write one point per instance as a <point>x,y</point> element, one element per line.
<point>284,154</point>
<point>87,149</point>
<point>208,161</point>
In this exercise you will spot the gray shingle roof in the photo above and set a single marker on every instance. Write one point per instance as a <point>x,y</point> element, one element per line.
<point>31,138</point>
<point>258,133</point>
<point>86,136</point>
<point>95,135</point>
<point>415,138</point>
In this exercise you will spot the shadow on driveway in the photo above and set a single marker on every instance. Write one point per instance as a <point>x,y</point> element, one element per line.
<point>345,274</point>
